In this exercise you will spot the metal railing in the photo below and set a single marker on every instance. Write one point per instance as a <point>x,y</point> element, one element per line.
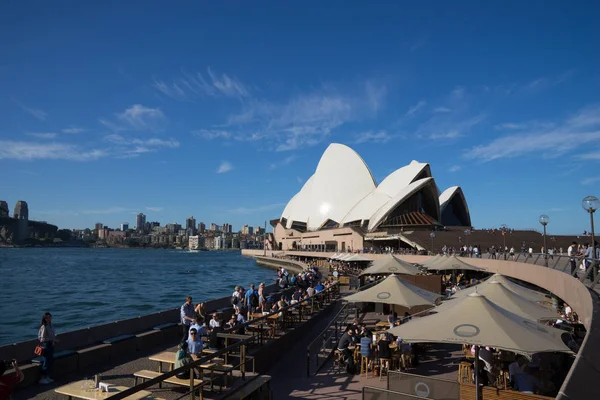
<point>373,393</point>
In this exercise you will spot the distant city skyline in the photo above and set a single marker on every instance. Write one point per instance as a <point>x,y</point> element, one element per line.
<point>223,112</point>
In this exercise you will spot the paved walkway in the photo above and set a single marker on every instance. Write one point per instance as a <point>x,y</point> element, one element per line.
<point>289,378</point>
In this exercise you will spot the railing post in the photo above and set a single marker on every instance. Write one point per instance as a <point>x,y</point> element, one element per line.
<point>308,362</point>
<point>226,345</point>
<point>192,391</point>
<point>243,360</point>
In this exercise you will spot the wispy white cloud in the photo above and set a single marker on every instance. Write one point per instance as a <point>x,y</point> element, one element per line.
<point>36,113</point>
<point>442,110</point>
<point>589,181</point>
<point>73,130</point>
<point>138,118</point>
<point>133,147</point>
<point>43,135</point>
<point>590,156</point>
<point>225,166</point>
<point>454,168</point>
<point>519,126</point>
<point>154,209</point>
<point>282,163</point>
<point>448,128</point>
<point>373,137</point>
<point>413,109</point>
<point>547,82</point>
<point>300,180</point>
<point>575,131</point>
<point>211,134</point>
<point>29,151</point>
<point>257,209</point>
<point>191,86</point>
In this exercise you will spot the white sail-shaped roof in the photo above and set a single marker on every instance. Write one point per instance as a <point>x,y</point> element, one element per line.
<point>407,191</point>
<point>386,191</point>
<point>340,181</point>
<point>343,190</point>
<point>449,194</point>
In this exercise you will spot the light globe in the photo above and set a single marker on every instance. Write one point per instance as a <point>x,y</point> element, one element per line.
<point>544,219</point>
<point>432,235</point>
<point>590,204</point>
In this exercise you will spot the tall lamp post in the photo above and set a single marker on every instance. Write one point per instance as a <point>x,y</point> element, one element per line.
<point>503,229</point>
<point>544,220</point>
<point>432,236</point>
<point>591,204</point>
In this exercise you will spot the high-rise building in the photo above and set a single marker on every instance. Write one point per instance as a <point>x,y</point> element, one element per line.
<point>201,227</point>
<point>227,228</point>
<point>124,226</point>
<point>3,209</point>
<point>140,223</point>
<point>21,210</point>
<point>214,227</point>
<point>244,230</point>
<point>190,225</point>
<point>259,230</point>
<point>98,227</point>
<point>195,242</point>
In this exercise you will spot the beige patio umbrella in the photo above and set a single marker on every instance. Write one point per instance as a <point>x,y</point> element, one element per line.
<point>477,321</point>
<point>452,263</point>
<point>394,290</point>
<point>433,260</point>
<point>390,264</point>
<point>498,294</point>
<point>356,257</point>
<point>522,291</point>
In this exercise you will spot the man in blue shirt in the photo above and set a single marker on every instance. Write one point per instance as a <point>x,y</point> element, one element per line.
<point>195,345</point>
<point>248,295</point>
<point>187,316</point>
<point>525,382</point>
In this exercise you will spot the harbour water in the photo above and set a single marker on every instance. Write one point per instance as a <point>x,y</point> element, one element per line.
<point>86,287</point>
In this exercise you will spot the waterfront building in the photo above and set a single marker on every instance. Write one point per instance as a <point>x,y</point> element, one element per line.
<point>235,242</point>
<point>195,242</point>
<point>98,226</point>
<point>213,227</point>
<point>334,213</point>
<point>173,228</point>
<point>259,230</point>
<point>218,242</point>
<point>246,230</point>
<point>140,223</point>
<point>190,223</point>
<point>227,228</point>
<point>201,227</point>
<point>209,242</point>
<point>3,209</point>
<point>124,226</point>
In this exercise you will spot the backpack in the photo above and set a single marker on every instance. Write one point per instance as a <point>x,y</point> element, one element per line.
<point>254,299</point>
<point>235,300</point>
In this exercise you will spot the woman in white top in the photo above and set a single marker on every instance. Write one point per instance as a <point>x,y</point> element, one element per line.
<point>47,338</point>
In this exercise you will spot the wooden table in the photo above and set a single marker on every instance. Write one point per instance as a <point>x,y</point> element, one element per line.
<point>164,357</point>
<point>382,325</point>
<point>73,390</point>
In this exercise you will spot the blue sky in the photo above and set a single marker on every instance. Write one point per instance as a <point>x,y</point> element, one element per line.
<point>221,110</point>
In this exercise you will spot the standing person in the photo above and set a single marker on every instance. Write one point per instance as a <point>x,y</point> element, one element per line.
<point>346,341</point>
<point>8,382</point>
<point>261,296</point>
<point>200,312</point>
<point>236,299</point>
<point>572,252</point>
<point>187,316</point>
<point>251,299</point>
<point>47,338</point>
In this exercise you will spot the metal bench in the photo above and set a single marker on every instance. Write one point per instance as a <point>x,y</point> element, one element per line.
<point>146,374</point>
<point>164,326</point>
<point>117,339</point>
<point>57,355</point>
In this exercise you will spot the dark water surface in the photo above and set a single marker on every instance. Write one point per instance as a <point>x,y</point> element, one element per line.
<point>88,287</point>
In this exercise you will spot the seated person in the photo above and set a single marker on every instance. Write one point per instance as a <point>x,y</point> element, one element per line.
<point>516,367</point>
<point>194,344</point>
<point>182,358</point>
<point>364,331</point>
<point>319,288</point>
<point>8,382</point>
<point>383,350</point>
<point>526,382</point>
<point>366,345</point>
<point>214,321</point>
<point>215,342</point>
<point>346,341</point>
<point>194,325</point>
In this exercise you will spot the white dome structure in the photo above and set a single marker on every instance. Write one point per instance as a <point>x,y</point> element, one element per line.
<point>342,192</point>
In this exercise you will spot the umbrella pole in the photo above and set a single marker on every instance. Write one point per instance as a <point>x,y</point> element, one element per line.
<point>477,391</point>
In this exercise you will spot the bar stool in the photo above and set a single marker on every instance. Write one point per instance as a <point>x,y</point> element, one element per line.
<point>364,365</point>
<point>338,361</point>
<point>383,361</point>
<point>465,372</point>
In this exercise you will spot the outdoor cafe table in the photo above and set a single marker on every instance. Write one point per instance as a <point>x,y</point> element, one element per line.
<point>168,357</point>
<point>74,390</point>
<point>382,325</point>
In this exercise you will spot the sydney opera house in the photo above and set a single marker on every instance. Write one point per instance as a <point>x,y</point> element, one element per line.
<point>341,207</point>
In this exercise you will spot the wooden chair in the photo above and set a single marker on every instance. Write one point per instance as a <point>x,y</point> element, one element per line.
<point>465,372</point>
<point>338,360</point>
<point>502,380</point>
<point>365,362</point>
<point>382,362</point>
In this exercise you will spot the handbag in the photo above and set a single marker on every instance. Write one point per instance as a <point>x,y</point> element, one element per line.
<point>39,350</point>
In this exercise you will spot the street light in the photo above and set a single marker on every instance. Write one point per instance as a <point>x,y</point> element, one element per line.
<point>467,233</point>
<point>432,236</point>
<point>544,220</point>
<point>591,204</point>
<point>503,229</point>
